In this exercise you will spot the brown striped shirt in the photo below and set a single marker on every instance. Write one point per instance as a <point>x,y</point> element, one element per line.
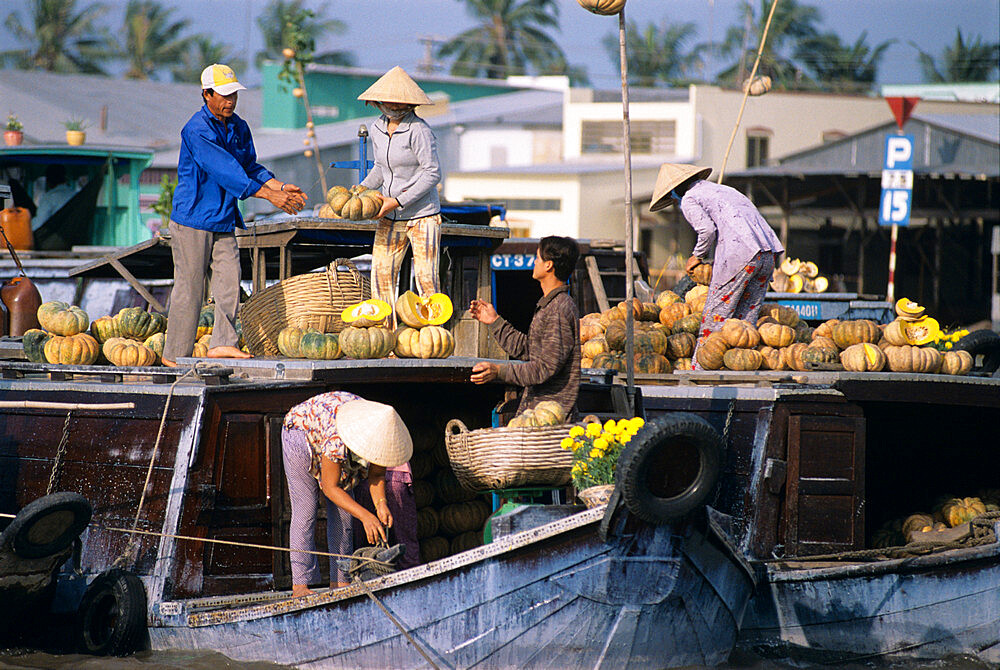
<point>550,351</point>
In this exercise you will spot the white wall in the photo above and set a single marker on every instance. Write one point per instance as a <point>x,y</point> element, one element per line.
<point>566,188</point>
<point>682,113</point>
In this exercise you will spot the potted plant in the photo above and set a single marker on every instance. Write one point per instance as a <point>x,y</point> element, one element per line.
<point>13,131</point>
<point>165,202</point>
<point>595,455</point>
<point>75,135</point>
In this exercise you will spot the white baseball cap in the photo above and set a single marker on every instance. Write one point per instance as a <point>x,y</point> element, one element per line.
<point>221,79</point>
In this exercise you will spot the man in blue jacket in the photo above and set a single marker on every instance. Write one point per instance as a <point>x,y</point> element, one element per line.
<point>217,165</point>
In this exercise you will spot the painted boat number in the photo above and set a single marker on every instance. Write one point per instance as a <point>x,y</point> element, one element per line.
<point>805,309</point>
<point>512,261</point>
<point>170,609</point>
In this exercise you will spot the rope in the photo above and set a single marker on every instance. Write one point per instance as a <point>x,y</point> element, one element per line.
<point>60,452</point>
<point>357,580</point>
<point>746,93</point>
<point>980,532</point>
<point>128,553</point>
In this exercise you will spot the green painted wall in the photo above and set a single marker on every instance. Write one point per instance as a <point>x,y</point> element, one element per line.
<point>334,96</point>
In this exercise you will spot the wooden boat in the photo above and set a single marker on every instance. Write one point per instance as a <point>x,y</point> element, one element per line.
<point>197,575</point>
<point>816,463</point>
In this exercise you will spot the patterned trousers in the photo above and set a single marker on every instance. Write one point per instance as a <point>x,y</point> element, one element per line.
<point>738,298</point>
<point>391,241</point>
<point>304,494</point>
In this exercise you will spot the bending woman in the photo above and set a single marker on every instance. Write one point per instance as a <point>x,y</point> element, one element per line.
<point>407,173</point>
<point>330,443</point>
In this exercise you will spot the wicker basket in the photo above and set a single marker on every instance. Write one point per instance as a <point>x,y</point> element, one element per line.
<point>503,458</point>
<point>312,300</point>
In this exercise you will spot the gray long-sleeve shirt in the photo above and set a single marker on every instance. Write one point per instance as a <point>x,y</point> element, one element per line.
<point>725,219</point>
<point>406,166</point>
<point>551,351</point>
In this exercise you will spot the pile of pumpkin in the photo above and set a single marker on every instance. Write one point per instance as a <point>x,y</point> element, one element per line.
<point>133,337</point>
<point>450,518</point>
<point>356,203</point>
<point>368,335</point>
<point>948,512</point>
<point>664,333</point>
<point>795,276</point>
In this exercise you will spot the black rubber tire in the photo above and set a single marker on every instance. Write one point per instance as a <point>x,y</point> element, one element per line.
<point>47,526</point>
<point>683,285</point>
<point>677,446</point>
<point>111,619</point>
<point>985,342</point>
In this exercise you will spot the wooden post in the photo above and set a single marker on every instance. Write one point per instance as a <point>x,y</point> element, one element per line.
<point>629,287</point>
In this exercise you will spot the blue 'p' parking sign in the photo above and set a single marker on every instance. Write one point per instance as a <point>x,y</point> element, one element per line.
<point>897,181</point>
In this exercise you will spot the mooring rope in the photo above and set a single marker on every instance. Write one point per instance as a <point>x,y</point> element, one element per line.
<point>393,619</point>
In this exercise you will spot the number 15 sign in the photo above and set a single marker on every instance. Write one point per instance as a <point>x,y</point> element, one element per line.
<point>897,181</point>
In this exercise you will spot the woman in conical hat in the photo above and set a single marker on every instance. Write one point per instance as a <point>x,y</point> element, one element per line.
<point>726,222</point>
<point>407,174</point>
<point>331,444</point>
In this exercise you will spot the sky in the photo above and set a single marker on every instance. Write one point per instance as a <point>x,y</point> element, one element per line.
<point>384,33</point>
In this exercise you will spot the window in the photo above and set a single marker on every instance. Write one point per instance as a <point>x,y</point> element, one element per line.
<point>647,137</point>
<point>528,204</point>
<point>758,145</point>
<point>498,156</point>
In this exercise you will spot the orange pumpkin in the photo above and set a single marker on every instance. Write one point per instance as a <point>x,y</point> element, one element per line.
<point>859,331</point>
<point>711,350</point>
<point>667,298</point>
<point>680,345</point>
<point>864,357</point>
<point>671,313</point>
<point>786,316</point>
<point>742,359</point>
<point>791,356</point>
<point>590,328</point>
<point>825,329</point>
<point>591,348</point>
<point>956,363</point>
<point>772,359</point>
<point>636,308</point>
<point>823,343</point>
<point>906,358</point>
<point>776,335</point>
<point>740,334</point>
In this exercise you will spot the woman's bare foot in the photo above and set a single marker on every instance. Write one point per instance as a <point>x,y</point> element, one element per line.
<point>227,352</point>
<point>169,363</point>
<point>301,590</point>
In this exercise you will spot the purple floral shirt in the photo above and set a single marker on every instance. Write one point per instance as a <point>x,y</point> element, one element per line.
<point>317,418</point>
<point>727,221</point>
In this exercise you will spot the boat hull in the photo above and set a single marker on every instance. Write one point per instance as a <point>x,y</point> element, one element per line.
<point>923,608</point>
<point>662,597</point>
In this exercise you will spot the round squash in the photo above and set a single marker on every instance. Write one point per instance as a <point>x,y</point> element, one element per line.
<point>956,363</point>
<point>319,346</point>
<point>961,510</point>
<point>366,343</point>
<point>825,329</point>
<point>916,522</point>
<point>367,313</point>
<point>771,359</point>
<point>650,312</point>
<point>696,297</point>
<point>614,360</point>
<point>590,328</point>
<point>791,356</point>
<point>427,521</point>
<point>776,335</point>
<point>813,356</point>
<point>688,324</point>
<point>824,343</point>
<point>200,350</point>
<point>913,359</point>
<point>672,312</point>
<point>710,350</point>
<point>701,274</point>
<point>156,344</point>
<point>104,328</point>
<point>808,269</point>
<point>615,335</point>
<point>361,205</point>
<point>34,341</point>
<point>337,196</point>
<point>683,364</point>
<point>666,298</point>
<point>427,342</point>
<point>804,332</point>
<point>135,323</point>
<point>650,341</point>
<point>79,349</point>
<point>636,308</point>
<point>864,357</point>
<point>549,413</point>
<point>417,312</point>
<point>610,315</point>
<point>651,363</point>
<point>908,310</point>
<point>593,347</point>
<point>742,359</point>
<point>123,352</point>
<point>60,318</point>
<point>893,333</point>
<point>740,334</point>
<point>859,331</point>
<point>680,345</point>
<point>289,341</point>
<point>206,321</point>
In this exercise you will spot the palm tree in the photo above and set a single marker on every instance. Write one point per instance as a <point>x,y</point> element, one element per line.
<point>202,50</point>
<point>791,24</point>
<point>840,67</point>
<point>59,38</point>
<point>972,61</point>
<point>510,36</point>
<point>656,53</point>
<point>151,40</point>
<point>285,21</point>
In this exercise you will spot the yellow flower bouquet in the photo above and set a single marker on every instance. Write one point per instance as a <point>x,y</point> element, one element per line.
<point>946,341</point>
<point>596,448</point>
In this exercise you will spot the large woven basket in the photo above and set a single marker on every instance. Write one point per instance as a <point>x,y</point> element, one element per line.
<point>312,300</point>
<point>503,458</point>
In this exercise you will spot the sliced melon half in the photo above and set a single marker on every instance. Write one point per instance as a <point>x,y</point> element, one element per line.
<point>909,310</point>
<point>790,266</point>
<point>809,269</point>
<point>921,331</point>
<point>366,314</point>
<point>417,312</point>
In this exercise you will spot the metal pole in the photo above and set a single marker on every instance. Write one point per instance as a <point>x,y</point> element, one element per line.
<point>629,287</point>
<point>890,293</point>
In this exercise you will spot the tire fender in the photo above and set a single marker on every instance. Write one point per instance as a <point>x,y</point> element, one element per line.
<point>111,619</point>
<point>670,468</point>
<point>48,525</point>
<point>984,342</point>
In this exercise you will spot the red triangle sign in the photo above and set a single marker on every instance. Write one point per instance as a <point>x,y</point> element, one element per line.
<point>902,108</point>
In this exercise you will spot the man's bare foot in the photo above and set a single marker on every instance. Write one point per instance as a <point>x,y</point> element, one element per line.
<point>339,585</point>
<point>169,363</point>
<point>301,590</point>
<point>227,352</point>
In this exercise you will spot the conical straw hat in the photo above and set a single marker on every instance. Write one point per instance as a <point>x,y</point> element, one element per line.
<point>670,177</point>
<point>375,432</point>
<point>396,86</point>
